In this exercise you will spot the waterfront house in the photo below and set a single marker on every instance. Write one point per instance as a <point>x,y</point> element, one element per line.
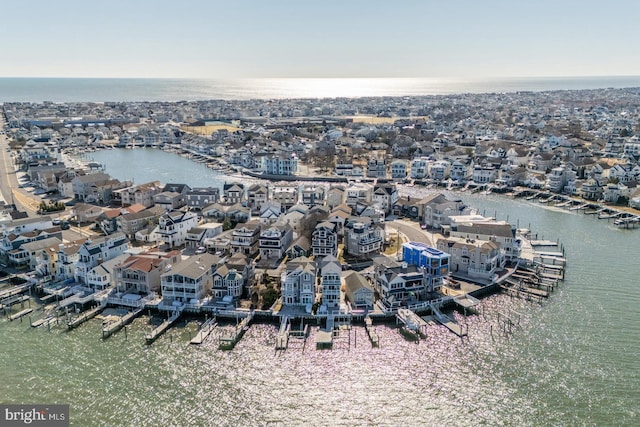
<point>227,281</point>
<point>68,256</point>
<point>479,260</point>
<point>420,168</point>
<point>39,255</point>
<point>459,171</point>
<point>298,282</point>
<point>188,282</point>
<point>274,241</point>
<point>483,174</point>
<point>358,290</point>
<point>97,250</point>
<point>435,262</point>
<point>486,229</point>
<point>591,190</point>
<point>439,170</point>
<point>174,226</point>
<point>198,198</point>
<point>173,196</point>
<point>257,196</point>
<point>137,194</point>
<point>233,192</point>
<point>376,168</point>
<point>103,275</point>
<point>330,282</point>
<point>399,284</point>
<point>283,164</point>
<point>214,211</point>
<point>245,238</point>
<point>398,169</point>
<point>13,242</point>
<point>324,239</point>
<point>139,275</point>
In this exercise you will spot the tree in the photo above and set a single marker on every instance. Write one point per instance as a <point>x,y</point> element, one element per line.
<point>226,224</point>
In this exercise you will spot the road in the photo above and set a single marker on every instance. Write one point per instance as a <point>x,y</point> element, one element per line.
<point>9,186</point>
<point>412,231</point>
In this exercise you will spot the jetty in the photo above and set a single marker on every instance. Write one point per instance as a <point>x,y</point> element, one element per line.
<point>228,340</point>
<point>110,328</point>
<point>204,332</point>
<point>154,334</point>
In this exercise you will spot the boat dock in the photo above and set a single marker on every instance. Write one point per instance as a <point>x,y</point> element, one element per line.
<point>83,317</point>
<point>111,328</point>
<point>373,336</point>
<point>154,334</point>
<point>204,332</point>
<point>410,320</point>
<point>13,300</point>
<point>447,322</point>
<point>228,340</point>
<point>20,314</point>
<point>282,340</point>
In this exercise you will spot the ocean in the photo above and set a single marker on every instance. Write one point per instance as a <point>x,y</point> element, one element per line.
<point>127,89</point>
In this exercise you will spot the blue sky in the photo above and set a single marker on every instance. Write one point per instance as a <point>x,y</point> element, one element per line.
<point>347,38</point>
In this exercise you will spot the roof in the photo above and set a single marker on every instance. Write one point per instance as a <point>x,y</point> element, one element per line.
<point>355,281</point>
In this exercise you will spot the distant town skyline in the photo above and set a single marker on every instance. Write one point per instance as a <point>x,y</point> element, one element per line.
<point>255,39</point>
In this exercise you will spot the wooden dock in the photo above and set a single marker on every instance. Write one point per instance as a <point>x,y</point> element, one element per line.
<point>111,328</point>
<point>204,332</point>
<point>447,322</point>
<point>83,317</point>
<point>13,300</point>
<point>20,314</point>
<point>373,336</point>
<point>282,340</point>
<point>228,340</point>
<point>154,334</point>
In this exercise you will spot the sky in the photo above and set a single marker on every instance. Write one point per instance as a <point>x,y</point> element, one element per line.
<point>321,38</point>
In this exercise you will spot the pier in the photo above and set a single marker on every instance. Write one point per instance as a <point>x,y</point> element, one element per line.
<point>154,334</point>
<point>110,328</point>
<point>447,322</point>
<point>228,340</point>
<point>373,336</point>
<point>204,332</point>
<point>83,317</point>
<point>282,340</point>
<point>20,314</point>
<point>411,321</point>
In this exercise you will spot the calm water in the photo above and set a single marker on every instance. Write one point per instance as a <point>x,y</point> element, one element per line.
<point>98,90</point>
<point>572,360</point>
